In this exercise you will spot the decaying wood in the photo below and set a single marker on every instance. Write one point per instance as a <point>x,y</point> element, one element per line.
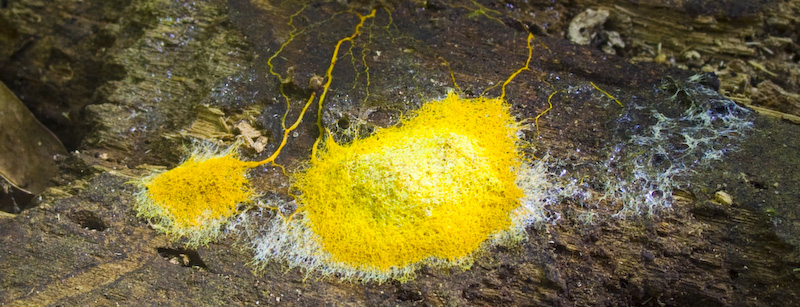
<point>135,73</point>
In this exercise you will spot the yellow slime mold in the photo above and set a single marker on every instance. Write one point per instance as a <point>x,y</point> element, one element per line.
<point>448,181</point>
<point>436,186</point>
<point>432,190</point>
<point>194,199</point>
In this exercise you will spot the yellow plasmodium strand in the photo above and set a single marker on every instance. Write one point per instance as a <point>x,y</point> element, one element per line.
<point>281,79</point>
<point>550,107</point>
<point>481,10</point>
<point>606,93</point>
<point>285,137</point>
<point>452,74</point>
<point>524,68</point>
<point>435,187</point>
<point>366,71</point>
<point>354,60</point>
<point>329,78</point>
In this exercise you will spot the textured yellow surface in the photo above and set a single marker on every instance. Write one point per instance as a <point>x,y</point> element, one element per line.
<point>436,186</point>
<point>196,197</point>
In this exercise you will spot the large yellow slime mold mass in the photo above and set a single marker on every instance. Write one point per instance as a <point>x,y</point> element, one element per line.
<point>430,190</point>
<point>437,186</point>
<point>447,181</point>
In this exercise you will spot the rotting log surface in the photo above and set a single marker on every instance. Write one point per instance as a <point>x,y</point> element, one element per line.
<point>129,72</point>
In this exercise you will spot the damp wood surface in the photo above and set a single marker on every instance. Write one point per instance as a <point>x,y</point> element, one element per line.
<point>126,84</point>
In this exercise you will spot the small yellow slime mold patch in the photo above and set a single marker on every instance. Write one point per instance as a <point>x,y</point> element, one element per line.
<point>195,198</point>
<point>434,187</point>
<point>222,182</point>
